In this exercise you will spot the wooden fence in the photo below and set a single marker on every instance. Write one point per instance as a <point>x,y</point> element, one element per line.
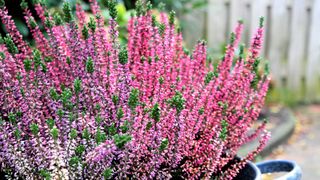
<point>292,38</point>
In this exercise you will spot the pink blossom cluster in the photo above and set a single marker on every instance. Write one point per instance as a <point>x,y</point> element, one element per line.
<point>79,105</point>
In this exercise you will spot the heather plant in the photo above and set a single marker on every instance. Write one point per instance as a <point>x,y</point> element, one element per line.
<point>80,106</point>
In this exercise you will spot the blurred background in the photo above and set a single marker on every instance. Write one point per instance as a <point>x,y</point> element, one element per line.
<point>291,46</point>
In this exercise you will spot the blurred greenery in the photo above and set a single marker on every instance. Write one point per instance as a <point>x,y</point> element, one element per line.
<point>283,96</point>
<point>181,6</point>
<point>125,8</point>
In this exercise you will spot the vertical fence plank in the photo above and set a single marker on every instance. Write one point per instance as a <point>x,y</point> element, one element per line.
<point>278,40</point>
<point>195,24</point>
<point>236,12</point>
<point>216,24</point>
<point>312,74</point>
<point>240,11</point>
<point>297,47</point>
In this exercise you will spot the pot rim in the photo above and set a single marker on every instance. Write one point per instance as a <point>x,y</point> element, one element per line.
<point>272,166</point>
<point>256,169</point>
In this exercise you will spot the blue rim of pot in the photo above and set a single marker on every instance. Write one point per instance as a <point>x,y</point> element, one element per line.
<point>273,166</point>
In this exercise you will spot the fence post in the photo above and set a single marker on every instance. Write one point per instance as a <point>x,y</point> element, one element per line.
<point>278,40</point>
<point>312,74</point>
<point>297,48</point>
<point>216,24</point>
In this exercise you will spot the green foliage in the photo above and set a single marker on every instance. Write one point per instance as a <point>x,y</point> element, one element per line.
<point>100,136</point>
<point>139,8</point>
<point>19,114</point>
<point>284,96</point>
<point>115,99</point>
<point>156,112</point>
<point>256,78</point>
<point>121,140</point>
<point>80,150</point>
<point>208,78</point>
<point>123,56</point>
<point>98,119</point>
<point>172,16</point>
<point>241,52</point>
<point>85,32</point>
<point>17,133</point>
<point>261,21</point>
<point>22,92</point>
<point>120,113</point>
<point>162,28</point>
<point>149,6</point>
<point>90,65</point>
<point>48,59</point>
<point>57,19</point>
<point>54,95</point>
<point>224,130</point>
<point>24,4</point>
<point>232,37</point>
<point>37,1</point>
<point>55,133</point>
<point>133,99</point>
<point>107,173</point>
<point>37,59</point>
<point>50,123</point>
<point>161,80</point>
<point>164,144</point>
<point>27,65</point>
<point>201,111</point>
<point>2,3</point>
<point>73,133</point>
<point>111,5</point>
<point>177,102</point>
<point>34,128</point>
<point>49,23</point>
<point>74,161</point>
<point>32,23</point>
<point>266,68</point>
<point>12,118</point>
<point>92,24</point>
<point>149,126</point>
<point>112,130</point>
<point>12,48</point>
<point>66,95</point>
<point>86,134</point>
<point>68,17</point>
<point>45,174</point>
<point>125,127</point>
<point>154,20</point>
<point>98,107</point>
<point>77,86</point>
<point>180,6</point>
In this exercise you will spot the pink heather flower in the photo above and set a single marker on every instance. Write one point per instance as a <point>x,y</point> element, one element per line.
<point>81,16</point>
<point>13,31</point>
<point>79,105</point>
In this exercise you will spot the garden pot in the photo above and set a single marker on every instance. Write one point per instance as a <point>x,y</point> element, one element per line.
<point>293,171</point>
<point>249,172</point>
